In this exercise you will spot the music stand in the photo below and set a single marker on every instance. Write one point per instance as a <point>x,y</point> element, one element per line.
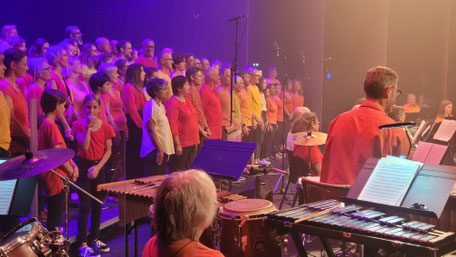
<point>224,159</point>
<point>426,196</point>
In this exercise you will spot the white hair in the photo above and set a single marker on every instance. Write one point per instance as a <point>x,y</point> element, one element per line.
<point>185,203</point>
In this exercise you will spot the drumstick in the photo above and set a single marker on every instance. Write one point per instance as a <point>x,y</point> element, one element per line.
<point>319,213</point>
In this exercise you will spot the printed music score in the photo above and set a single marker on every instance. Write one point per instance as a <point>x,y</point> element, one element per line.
<point>390,181</point>
<point>446,130</point>
<point>6,195</point>
<point>419,131</point>
<point>429,153</point>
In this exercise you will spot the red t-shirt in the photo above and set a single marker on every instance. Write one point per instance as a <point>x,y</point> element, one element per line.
<point>134,101</point>
<point>59,83</point>
<point>97,140</point>
<point>183,121</point>
<point>303,153</point>
<point>20,112</point>
<point>102,113</point>
<point>116,108</point>
<point>48,137</point>
<point>212,111</point>
<point>279,108</point>
<point>354,137</point>
<point>195,98</point>
<point>35,91</point>
<point>146,62</point>
<point>182,248</point>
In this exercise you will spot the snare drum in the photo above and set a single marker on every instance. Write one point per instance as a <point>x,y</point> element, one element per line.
<point>243,232</point>
<point>30,239</point>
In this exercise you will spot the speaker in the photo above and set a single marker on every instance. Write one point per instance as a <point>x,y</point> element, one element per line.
<point>258,191</point>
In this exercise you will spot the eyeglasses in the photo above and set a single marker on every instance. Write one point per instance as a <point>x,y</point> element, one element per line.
<point>399,92</point>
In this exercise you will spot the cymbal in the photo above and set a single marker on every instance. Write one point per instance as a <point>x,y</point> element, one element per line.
<point>35,163</point>
<point>316,138</point>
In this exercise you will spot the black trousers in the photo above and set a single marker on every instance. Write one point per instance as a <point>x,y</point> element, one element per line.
<point>56,208</point>
<point>134,163</point>
<point>183,161</point>
<point>86,204</point>
<point>151,167</point>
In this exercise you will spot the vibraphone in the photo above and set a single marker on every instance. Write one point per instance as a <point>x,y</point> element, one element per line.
<point>134,196</point>
<point>364,226</point>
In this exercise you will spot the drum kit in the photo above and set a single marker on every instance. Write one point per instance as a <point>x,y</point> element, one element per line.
<point>30,238</point>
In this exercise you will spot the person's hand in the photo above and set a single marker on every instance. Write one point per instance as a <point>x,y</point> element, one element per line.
<point>208,132</point>
<point>75,174</point>
<point>160,155</point>
<point>245,130</point>
<point>204,134</point>
<point>254,125</point>
<point>178,150</point>
<point>92,172</point>
<point>91,122</point>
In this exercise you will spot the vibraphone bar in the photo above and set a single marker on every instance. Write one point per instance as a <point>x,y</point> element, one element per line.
<point>369,227</point>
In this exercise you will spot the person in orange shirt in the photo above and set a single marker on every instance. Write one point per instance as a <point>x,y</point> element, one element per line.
<point>223,92</point>
<point>298,97</point>
<point>165,59</point>
<point>354,136</point>
<point>445,110</point>
<point>255,103</point>
<point>411,106</point>
<point>246,108</point>
<point>195,190</point>
<point>268,147</point>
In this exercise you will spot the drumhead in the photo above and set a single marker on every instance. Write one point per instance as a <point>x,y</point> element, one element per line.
<point>248,207</point>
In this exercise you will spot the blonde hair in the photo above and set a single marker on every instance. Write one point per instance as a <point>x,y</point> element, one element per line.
<point>184,202</point>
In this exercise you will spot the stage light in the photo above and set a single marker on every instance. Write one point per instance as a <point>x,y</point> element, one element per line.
<point>328,75</point>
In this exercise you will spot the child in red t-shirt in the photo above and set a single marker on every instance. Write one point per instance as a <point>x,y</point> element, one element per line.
<point>94,149</point>
<point>49,136</point>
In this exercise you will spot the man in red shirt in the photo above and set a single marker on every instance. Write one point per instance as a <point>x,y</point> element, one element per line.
<point>354,136</point>
<point>147,59</point>
<point>211,103</point>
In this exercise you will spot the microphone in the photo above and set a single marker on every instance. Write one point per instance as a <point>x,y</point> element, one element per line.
<point>303,57</point>
<point>276,48</point>
<point>397,125</point>
<point>237,18</point>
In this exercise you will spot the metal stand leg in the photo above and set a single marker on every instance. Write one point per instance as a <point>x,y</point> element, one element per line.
<point>284,195</point>
<point>136,239</point>
<point>127,232</point>
<point>298,243</point>
<point>327,246</point>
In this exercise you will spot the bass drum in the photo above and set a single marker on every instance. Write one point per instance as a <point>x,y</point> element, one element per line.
<point>30,238</point>
<point>243,231</point>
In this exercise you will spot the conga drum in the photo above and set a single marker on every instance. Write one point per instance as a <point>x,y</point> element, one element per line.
<point>243,232</point>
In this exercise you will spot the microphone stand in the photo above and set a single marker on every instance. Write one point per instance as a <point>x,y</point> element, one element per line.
<point>234,68</point>
<point>66,181</point>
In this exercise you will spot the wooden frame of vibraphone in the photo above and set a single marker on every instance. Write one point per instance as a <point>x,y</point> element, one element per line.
<point>135,197</point>
<point>284,227</point>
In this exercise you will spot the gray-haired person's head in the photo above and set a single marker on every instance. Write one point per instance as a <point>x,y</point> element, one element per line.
<point>185,204</point>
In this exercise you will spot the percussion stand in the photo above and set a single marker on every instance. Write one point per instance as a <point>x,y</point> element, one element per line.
<point>66,182</point>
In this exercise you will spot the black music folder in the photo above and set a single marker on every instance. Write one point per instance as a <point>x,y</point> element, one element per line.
<point>426,195</point>
<point>224,159</point>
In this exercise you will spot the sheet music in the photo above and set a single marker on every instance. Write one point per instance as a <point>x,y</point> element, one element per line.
<point>436,154</point>
<point>6,195</point>
<point>390,181</point>
<point>446,130</point>
<point>419,131</point>
<point>422,151</point>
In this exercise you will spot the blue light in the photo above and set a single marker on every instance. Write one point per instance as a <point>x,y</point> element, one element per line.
<point>328,75</point>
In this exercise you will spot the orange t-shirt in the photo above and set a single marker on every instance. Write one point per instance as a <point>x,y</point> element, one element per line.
<point>271,112</point>
<point>411,109</point>
<point>246,108</point>
<point>182,248</point>
<point>279,108</point>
